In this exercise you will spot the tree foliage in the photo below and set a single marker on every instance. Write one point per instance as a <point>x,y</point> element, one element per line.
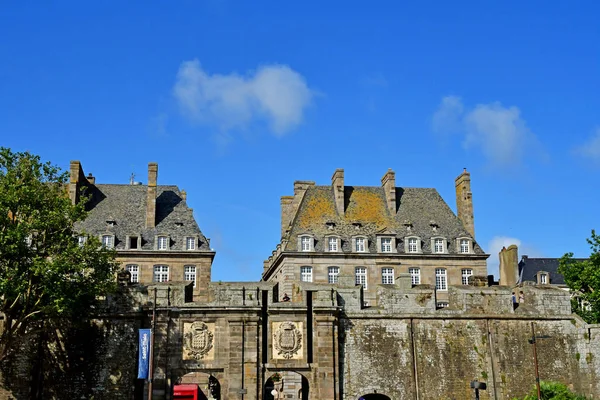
<point>552,391</point>
<point>583,278</point>
<point>44,272</point>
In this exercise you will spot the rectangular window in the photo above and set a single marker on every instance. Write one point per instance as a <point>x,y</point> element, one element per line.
<point>161,273</point>
<point>306,274</point>
<point>190,243</point>
<point>133,242</point>
<point>442,304</point>
<point>333,244</point>
<point>439,245</point>
<point>544,279</point>
<point>415,276</point>
<point>190,273</point>
<point>387,276</point>
<point>412,245</point>
<point>134,270</point>
<point>360,245</point>
<point>107,241</point>
<point>305,241</point>
<point>80,240</point>
<point>361,277</point>
<point>163,243</point>
<point>440,279</point>
<point>466,273</point>
<point>332,274</point>
<point>464,246</point>
<point>386,245</point>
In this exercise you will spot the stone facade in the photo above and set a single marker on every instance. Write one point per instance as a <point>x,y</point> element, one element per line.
<point>423,236</point>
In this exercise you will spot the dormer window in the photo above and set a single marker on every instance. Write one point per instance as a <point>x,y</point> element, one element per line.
<point>134,242</point>
<point>543,278</point>
<point>438,245</point>
<point>360,244</point>
<point>412,245</point>
<point>108,241</point>
<point>306,243</point>
<point>190,243</point>
<point>81,240</point>
<point>111,222</point>
<point>163,243</point>
<point>464,246</point>
<point>330,225</point>
<point>332,244</point>
<point>386,244</point>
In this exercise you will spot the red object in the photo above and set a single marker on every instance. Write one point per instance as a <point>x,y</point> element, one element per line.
<point>185,392</point>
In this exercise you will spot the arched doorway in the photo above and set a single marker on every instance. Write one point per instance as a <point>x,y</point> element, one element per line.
<point>374,396</point>
<point>210,387</point>
<point>286,385</point>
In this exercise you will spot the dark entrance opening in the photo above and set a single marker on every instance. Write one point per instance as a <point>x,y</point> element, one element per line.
<point>374,396</point>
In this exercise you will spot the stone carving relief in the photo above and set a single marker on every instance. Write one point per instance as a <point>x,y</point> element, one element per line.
<point>198,341</point>
<point>287,340</point>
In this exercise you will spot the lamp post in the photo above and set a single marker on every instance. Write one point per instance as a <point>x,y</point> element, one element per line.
<point>535,360</point>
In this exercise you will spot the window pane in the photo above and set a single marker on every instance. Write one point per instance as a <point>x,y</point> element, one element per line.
<point>332,274</point>
<point>190,273</point>
<point>415,275</point>
<point>412,245</point>
<point>134,270</point>
<point>466,273</point>
<point>305,241</point>
<point>440,279</point>
<point>439,245</point>
<point>360,244</point>
<point>464,246</point>
<point>386,245</point>
<point>387,276</point>
<point>361,277</point>
<point>306,274</point>
<point>333,244</point>
<point>163,243</point>
<point>190,243</point>
<point>161,273</point>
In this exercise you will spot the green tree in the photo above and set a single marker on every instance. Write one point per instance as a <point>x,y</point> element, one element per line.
<point>583,278</point>
<point>45,274</point>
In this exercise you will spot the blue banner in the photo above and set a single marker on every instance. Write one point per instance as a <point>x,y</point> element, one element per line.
<point>144,354</point>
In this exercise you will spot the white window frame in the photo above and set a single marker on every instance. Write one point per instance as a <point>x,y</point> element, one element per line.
<point>81,239</point>
<point>412,245</point>
<point>189,273</point>
<point>465,273</point>
<point>361,244</point>
<point>306,274</point>
<point>441,279</point>
<point>386,245</point>
<point>543,278</point>
<point>464,244</point>
<point>162,242</point>
<point>387,276</point>
<point>360,276</point>
<point>190,243</point>
<point>108,241</point>
<point>134,270</point>
<point>161,273</point>
<point>306,243</point>
<point>438,245</point>
<point>332,274</point>
<point>415,276</point>
<point>333,244</point>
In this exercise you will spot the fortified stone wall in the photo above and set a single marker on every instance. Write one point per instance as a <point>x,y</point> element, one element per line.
<point>327,345</point>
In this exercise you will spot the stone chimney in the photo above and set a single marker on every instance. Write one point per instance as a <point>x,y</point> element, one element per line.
<point>287,208</point>
<point>509,265</point>
<point>184,195</point>
<point>464,201</point>
<point>91,178</point>
<point>337,182</point>
<point>151,201</point>
<point>76,180</point>
<point>388,183</point>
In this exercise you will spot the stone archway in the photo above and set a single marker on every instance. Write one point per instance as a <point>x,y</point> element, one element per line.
<point>285,385</point>
<point>374,396</point>
<point>210,387</point>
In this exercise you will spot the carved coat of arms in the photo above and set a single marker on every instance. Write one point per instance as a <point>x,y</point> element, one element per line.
<point>198,340</point>
<point>288,340</point>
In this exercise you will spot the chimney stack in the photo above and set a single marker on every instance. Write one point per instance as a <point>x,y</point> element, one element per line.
<point>388,183</point>
<point>151,201</point>
<point>184,195</point>
<point>76,180</point>
<point>464,201</point>
<point>509,265</point>
<point>337,182</point>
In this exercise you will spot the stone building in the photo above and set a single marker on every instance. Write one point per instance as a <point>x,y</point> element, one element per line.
<point>240,340</point>
<point>374,234</point>
<point>150,226</point>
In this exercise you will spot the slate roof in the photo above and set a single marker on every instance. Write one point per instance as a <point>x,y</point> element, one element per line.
<point>529,267</point>
<point>367,206</point>
<point>126,206</point>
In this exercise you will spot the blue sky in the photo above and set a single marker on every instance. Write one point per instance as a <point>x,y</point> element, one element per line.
<point>236,100</point>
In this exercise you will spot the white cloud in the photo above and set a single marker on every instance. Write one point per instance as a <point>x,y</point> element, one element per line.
<point>274,93</point>
<point>499,132</point>
<point>495,245</point>
<point>591,148</point>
